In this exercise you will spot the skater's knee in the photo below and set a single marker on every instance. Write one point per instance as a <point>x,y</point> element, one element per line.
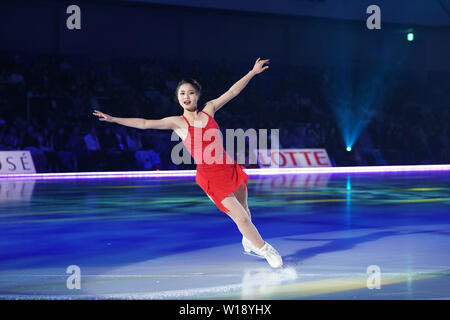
<point>242,219</point>
<point>237,212</point>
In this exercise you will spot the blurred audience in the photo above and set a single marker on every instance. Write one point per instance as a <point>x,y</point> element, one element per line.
<point>47,103</point>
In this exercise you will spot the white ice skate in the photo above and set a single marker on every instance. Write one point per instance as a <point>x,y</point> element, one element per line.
<point>249,248</point>
<point>266,252</point>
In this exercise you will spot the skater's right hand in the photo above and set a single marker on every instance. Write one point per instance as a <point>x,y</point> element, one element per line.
<point>102,116</point>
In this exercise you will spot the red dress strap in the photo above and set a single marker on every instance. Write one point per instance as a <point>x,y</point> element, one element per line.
<point>186,120</point>
<point>206,113</point>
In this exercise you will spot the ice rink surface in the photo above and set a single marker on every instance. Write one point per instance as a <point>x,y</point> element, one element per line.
<point>342,236</point>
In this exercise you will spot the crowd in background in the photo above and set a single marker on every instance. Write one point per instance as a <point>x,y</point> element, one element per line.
<point>46,105</point>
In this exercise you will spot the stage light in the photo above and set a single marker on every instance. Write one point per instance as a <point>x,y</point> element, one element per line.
<point>410,36</point>
<point>349,149</point>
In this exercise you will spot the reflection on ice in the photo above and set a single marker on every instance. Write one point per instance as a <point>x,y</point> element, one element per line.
<point>292,182</point>
<point>21,190</point>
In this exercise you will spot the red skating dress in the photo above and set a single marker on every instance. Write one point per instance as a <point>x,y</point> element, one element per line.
<point>218,175</point>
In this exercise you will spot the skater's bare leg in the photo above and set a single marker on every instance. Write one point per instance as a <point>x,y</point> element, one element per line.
<point>242,219</point>
<point>242,195</point>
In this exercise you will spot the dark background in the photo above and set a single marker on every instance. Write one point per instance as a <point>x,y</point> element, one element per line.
<point>332,83</point>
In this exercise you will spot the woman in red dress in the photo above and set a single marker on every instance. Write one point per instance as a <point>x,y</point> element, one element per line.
<point>223,181</point>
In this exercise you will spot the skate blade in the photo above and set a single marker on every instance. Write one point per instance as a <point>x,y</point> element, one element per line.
<point>253,254</point>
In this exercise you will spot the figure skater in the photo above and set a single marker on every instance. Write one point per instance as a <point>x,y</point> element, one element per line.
<point>224,181</point>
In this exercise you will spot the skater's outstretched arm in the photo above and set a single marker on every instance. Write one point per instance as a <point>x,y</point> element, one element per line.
<point>167,123</point>
<point>213,106</point>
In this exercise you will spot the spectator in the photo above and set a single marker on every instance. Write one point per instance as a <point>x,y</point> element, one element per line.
<point>133,140</point>
<point>67,160</point>
<point>91,140</point>
<point>76,141</point>
<point>12,139</point>
<point>108,140</point>
<point>16,77</point>
<point>94,149</point>
<point>29,137</point>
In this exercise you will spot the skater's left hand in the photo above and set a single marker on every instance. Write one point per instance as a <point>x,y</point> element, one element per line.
<point>258,68</point>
